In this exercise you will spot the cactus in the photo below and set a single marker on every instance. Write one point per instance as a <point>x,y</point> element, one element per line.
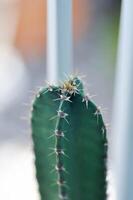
<point>70,144</point>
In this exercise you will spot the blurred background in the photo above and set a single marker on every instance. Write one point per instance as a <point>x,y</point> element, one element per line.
<point>23,71</point>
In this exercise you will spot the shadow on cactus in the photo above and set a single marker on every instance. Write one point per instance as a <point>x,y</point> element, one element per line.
<point>70,144</point>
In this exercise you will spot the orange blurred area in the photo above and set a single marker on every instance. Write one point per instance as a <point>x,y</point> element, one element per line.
<point>31,29</point>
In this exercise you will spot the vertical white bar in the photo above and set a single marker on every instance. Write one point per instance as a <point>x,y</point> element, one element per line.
<point>59,39</point>
<point>122,129</point>
<point>52,60</point>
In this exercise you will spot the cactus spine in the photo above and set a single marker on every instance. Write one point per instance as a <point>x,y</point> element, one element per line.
<point>67,123</point>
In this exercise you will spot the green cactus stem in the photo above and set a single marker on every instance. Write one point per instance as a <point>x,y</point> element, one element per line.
<point>70,144</point>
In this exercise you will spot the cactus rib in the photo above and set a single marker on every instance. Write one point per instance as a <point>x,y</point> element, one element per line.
<point>60,152</point>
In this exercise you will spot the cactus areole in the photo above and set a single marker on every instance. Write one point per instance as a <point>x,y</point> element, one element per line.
<point>70,144</point>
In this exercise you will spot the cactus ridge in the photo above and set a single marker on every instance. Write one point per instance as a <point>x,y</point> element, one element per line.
<point>60,152</point>
<point>78,154</point>
<point>69,88</point>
